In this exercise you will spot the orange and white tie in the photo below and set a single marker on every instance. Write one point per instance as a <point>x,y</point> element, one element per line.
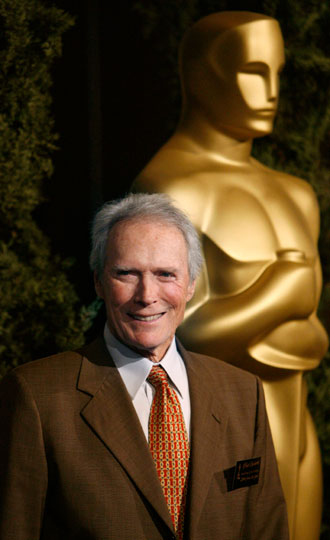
<point>169,446</point>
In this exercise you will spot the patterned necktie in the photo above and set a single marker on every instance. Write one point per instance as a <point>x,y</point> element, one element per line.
<point>169,446</point>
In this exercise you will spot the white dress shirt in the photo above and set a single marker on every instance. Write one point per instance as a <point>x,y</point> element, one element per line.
<point>134,370</point>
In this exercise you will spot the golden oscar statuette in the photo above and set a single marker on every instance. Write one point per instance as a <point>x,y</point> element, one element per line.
<point>255,303</point>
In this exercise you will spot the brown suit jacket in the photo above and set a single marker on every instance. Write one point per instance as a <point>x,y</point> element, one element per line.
<point>75,464</point>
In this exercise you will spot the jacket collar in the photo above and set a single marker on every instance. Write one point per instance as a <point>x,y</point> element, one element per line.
<point>208,426</point>
<point>111,414</point>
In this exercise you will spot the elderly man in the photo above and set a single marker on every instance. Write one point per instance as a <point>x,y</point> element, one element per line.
<point>133,437</point>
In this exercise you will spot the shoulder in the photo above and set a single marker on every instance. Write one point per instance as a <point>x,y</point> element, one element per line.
<point>183,180</point>
<point>220,366</point>
<point>50,365</point>
<point>45,376</point>
<point>301,194</point>
<point>231,391</point>
<point>304,196</point>
<point>59,372</point>
<point>299,189</point>
<point>222,374</point>
<point>175,171</point>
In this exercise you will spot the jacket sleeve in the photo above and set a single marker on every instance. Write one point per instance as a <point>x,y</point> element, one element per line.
<point>23,466</point>
<point>266,511</point>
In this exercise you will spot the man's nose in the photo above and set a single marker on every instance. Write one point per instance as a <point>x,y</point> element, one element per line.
<point>146,291</point>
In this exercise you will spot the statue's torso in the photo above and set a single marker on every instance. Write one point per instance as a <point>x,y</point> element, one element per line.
<point>247,215</point>
<point>252,217</point>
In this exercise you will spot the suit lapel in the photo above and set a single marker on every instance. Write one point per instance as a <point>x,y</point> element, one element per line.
<point>110,413</point>
<point>208,426</point>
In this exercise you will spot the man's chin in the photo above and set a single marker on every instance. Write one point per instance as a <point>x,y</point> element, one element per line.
<point>150,349</point>
<point>147,344</point>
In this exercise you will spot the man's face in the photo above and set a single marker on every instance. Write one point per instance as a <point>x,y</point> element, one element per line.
<point>145,284</point>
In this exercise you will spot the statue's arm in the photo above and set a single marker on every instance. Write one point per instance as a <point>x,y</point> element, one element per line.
<point>284,291</point>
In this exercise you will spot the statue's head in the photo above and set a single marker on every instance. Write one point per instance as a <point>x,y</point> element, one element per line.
<point>230,64</point>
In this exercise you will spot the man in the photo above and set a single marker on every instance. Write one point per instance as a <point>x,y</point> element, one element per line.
<point>83,453</point>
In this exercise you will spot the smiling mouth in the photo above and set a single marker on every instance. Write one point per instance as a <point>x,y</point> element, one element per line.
<point>146,318</point>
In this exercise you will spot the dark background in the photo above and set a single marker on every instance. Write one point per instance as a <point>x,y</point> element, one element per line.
<point>111,113</point>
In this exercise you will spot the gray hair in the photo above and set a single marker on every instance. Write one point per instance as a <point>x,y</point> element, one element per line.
<point>139,205</point>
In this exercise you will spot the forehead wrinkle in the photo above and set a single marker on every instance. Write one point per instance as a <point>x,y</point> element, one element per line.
<point>135,268</point>
<point>141,255</point>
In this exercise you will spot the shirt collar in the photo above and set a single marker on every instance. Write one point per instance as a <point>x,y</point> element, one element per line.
<point>134,368</point>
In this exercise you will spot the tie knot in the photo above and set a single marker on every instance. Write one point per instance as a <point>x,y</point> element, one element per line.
<point>157,376</point>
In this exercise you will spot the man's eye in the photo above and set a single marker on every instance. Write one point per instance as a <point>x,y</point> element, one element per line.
<point>166,275</point>
<point>123,273</point>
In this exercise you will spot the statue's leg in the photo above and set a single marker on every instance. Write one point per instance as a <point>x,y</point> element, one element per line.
<point>309,493</point>
<point>297,451</point>
<point>284,407</point>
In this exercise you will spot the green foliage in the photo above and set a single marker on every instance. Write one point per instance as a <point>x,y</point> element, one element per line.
<point>38,306</point>
<point>300,142</point>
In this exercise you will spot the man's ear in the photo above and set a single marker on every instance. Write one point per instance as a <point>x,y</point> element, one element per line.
<point>191,290</point>
<point>98,285</point>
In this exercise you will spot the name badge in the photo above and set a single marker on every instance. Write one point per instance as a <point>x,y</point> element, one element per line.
<point>244,474</point>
